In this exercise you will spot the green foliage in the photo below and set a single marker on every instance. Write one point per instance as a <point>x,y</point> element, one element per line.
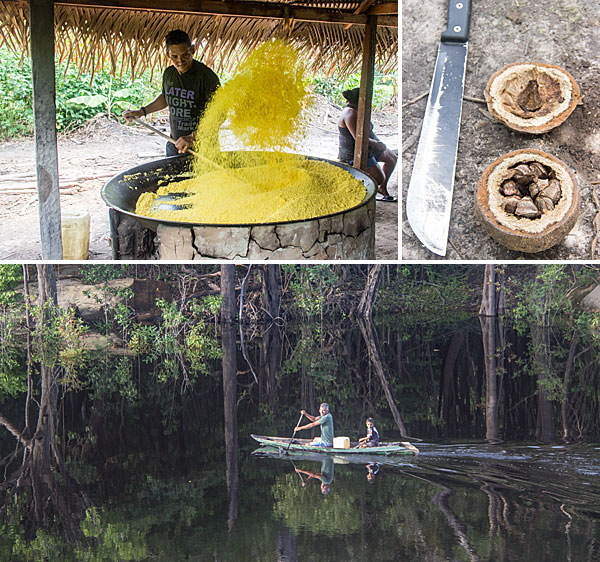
<point>183,336</point>
<point>541,298</point>
<point>12,377</point>
<point>113,297</point>
<point>13,380</point>
<point>16,108</point>
<point>101,273</point>
<point>113,100</point>
<point>10,276</point>
<point>141,341</point>
<point>58,341</point>
<point>200,347</point>
<point>430,289</point>
<point>109,541</point>
<point>75,95</point>
<point>309,287</point>
<point>111,378</point>
<point>385,88</point>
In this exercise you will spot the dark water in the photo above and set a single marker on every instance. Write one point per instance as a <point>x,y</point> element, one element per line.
<point>473,501</point>
<point>175,475</point>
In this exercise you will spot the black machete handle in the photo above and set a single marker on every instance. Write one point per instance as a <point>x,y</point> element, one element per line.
<point>459,20</point>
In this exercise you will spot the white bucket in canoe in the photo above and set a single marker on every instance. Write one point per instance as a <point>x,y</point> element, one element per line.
<point>341,442</point>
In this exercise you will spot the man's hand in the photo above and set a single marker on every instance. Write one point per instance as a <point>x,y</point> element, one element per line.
<point>132,113</point>
<point>183,143</point>
<point>303,412</point>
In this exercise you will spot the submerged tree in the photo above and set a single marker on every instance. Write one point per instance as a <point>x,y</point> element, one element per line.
<point>46,491</point>
<point>492,333</point>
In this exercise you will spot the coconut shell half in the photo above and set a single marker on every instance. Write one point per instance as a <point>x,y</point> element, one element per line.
<point>520,233</point>
<point>531,97</point>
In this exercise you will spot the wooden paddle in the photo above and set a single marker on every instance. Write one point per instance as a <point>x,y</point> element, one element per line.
<point>170,139</point>
<point>294,434</point>
<point>169,202</point>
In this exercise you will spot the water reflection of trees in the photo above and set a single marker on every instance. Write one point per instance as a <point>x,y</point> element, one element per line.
<point>156,408</point>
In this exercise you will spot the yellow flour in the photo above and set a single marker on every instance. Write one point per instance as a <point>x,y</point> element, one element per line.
<point>263,105</point>
<point>262,194</point>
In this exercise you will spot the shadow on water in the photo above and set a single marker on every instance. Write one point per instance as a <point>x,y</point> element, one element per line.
<point>173,474</point>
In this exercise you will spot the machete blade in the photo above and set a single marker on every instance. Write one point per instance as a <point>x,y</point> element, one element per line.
<point>429,197</point>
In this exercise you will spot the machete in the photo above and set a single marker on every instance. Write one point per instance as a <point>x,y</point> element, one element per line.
<point>429,196</point>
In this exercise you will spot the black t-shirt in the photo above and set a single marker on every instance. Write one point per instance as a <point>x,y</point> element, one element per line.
<point>187,95</point>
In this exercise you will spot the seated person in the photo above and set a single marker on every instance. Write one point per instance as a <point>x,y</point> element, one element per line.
<point>325,421</point>
<point>372,437</point>
<point>378,152</point>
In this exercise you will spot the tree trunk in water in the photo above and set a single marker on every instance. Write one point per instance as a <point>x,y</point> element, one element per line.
<point>271,289</point>
<point>43,449</point>
<point>372,342</point>
<point>271,353</point>
<point>369,296</point>
<point>492,298</point>
<point>228,310</point>
<point>229,364</point>
<point>541,360</point>
<point>566,385</point>
<point>490,332</point>
<point>53,499</point>
<point>230,406</point>
<point>492,305</point>
<point>448,394</point>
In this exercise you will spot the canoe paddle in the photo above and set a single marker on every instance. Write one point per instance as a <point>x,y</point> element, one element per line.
<point>294,434</point>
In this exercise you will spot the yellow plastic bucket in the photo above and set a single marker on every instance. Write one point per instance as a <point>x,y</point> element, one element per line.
<point>75,229</point>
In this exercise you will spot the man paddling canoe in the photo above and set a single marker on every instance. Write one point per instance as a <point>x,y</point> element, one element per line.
<point>325,421</point>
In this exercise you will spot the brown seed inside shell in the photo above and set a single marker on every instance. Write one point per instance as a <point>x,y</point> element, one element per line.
<point>509,187</point>
<point>527,208</point>
<point>530,190</point>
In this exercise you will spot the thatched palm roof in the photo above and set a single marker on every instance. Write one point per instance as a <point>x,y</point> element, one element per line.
<point>96,37</point>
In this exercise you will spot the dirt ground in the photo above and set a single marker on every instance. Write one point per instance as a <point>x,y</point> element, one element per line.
<point>103,148</point>
<point>560,32</point>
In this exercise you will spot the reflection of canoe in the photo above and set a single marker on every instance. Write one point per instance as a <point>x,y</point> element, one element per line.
<point>386,449</point>
<point>362,459</point>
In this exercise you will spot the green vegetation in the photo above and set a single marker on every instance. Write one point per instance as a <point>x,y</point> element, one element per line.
<point>385,88</point>
<point>80,97</point>
<point>140,422</point>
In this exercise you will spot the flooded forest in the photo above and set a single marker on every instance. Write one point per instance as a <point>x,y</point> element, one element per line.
<point>130,395</point>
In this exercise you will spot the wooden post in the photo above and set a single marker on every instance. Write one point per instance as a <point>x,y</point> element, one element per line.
<point>44,119</point>
<point>367,77</point>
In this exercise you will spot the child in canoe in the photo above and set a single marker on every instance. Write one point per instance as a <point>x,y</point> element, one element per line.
<point>372,437</point>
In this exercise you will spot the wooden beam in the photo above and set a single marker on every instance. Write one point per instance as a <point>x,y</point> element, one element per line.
<point>364,6</point>
<point>367,77</point>
<point>246,9</point>
<point>44,120</point>
<point>387,9</point>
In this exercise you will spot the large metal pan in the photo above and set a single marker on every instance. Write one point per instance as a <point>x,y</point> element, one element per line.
<point>123,190</point>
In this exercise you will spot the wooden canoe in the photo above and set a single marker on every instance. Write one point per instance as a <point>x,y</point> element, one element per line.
<point>388,449</point>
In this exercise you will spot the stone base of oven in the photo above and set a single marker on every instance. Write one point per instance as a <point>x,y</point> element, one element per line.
<point>347,236</point>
